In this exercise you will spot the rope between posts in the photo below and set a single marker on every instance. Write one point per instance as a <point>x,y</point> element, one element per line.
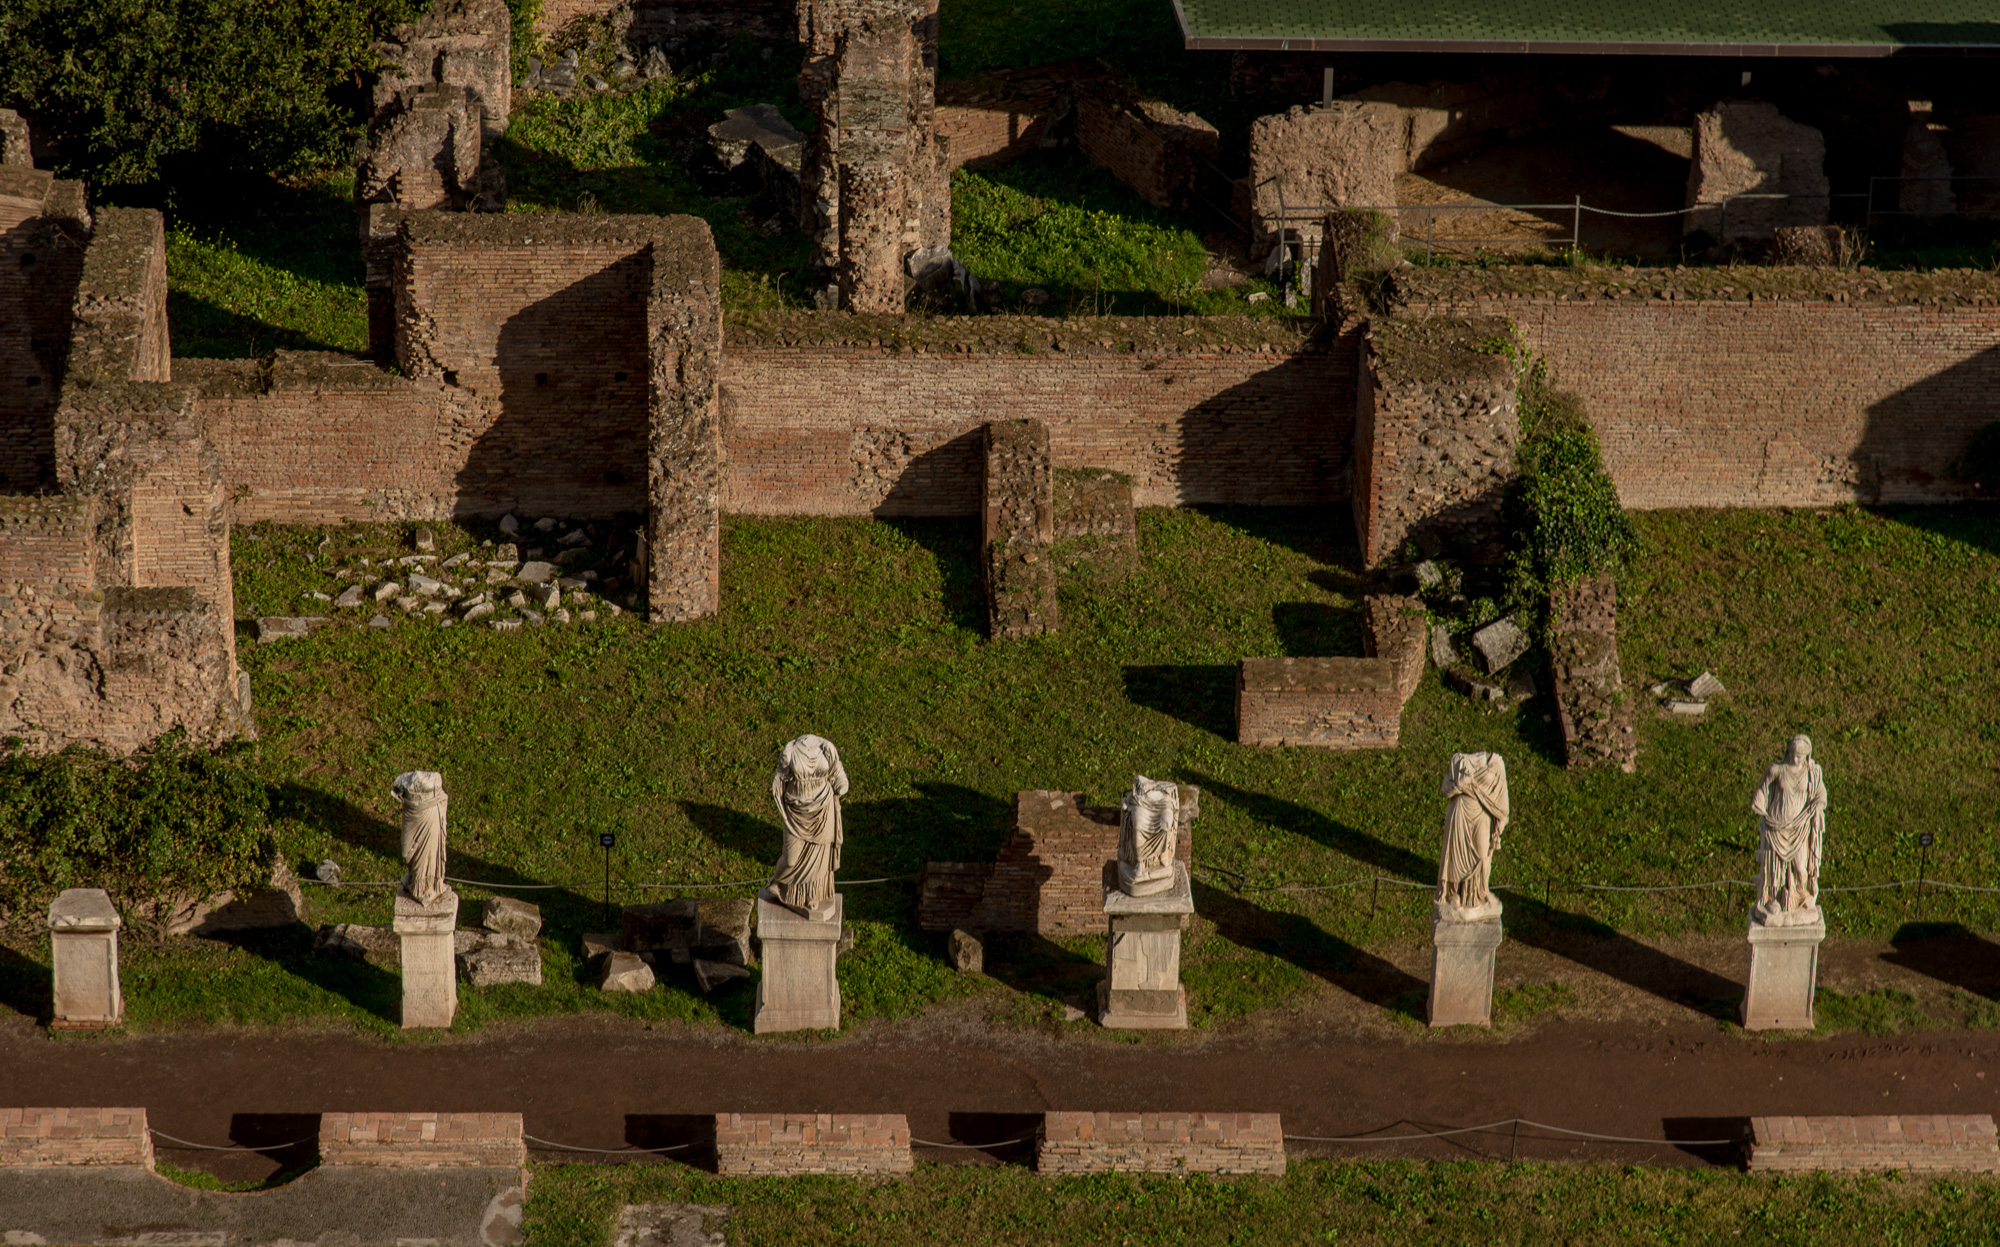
<point>233,1147</point>
<point>1575,884</point>
<point>544,887</point>
<point>1498,1125</point>
<point>606,1151</point>
<point>1003,1143</point>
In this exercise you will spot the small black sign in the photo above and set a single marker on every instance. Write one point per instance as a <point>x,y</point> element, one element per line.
<point>607,839</point>
<point>1925,839</point>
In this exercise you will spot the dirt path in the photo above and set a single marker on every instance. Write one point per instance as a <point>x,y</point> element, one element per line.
<point>599,1082</point>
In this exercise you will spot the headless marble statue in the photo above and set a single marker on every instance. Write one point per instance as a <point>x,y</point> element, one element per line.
<point>1475,793</point>
<point>808,786</point>
<point>1148,836</point>
<point>424,800</point>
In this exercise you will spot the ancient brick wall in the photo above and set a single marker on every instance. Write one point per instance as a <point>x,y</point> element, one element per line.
<point>998,117</point>
<point>1160,1143</point>
<point>422,1140</point>
<point>684,424</point>
<point>1017,530</point>
<point>1397,629</point>
<point>848,428</point>
<point>1436,427</point>
<point>1763,388</point>
<point>1153,148</point>
<point>45,1137</point>
<point>1049,877</point>
<point>777,1144</point>
<point>1330,703</point>
<point>1583,653</point>
<point>1935,1143</point>
<point>43,230</point>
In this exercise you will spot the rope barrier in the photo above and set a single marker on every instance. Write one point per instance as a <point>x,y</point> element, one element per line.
<point>1498,1125</point>
<point>233,1147</point>
<point>1534,885</point>
<point>585,887</point>
<point>606,1151</point>
<point>1003,1143</point>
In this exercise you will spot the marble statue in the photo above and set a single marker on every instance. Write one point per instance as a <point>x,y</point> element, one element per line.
<point>808,786</point>
<point>1148,835</point>
<point>1475,793</point>
<point>1791,810</point>
<point>423,798</point>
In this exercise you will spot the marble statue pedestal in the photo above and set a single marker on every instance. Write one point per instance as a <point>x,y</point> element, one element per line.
<point>83,939</point>
<point>1142,986</point>
<point>1462,956</point>
<point>430,971</point>
<point>798,990</point>
<point>1784,970</point>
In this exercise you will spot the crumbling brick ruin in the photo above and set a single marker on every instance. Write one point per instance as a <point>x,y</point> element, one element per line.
<point>875,176</point>
<point>1327,703</point>
<point>1017,530</point>
<point>1397,628</point>
<point>1583,655</point>
<point>1745,147</point>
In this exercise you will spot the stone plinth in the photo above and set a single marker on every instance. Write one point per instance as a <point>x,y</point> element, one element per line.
<point>781,1144</point>
<point>1784,968</point>
<point>83,938</point>
<point>1160,1143</point>
<point>430,972</point>
<point>1462,956</point>
<point>1928,1143</point>
<point>1142,986</point>
<point>799,990</point>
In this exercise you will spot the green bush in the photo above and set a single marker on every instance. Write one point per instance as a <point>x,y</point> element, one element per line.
<point>173,821</point>
<point>1562,512</point>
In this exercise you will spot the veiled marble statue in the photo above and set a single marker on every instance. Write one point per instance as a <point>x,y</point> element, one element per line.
<point>1475,794</point>
<point>1148,835</point>
<point>423,798</point>
<point>808,786</point>
<point>1791,829</point>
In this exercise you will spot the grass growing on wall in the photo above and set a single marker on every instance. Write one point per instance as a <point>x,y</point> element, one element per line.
<point>1384,1202</point>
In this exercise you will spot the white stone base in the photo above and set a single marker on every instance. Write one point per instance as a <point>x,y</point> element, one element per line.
<point>83,952</point>
<point>1784,971</point>
<point>1142,984</point>
<point>799,989</point>
<point>1462,957</point>
<point>430,964</point>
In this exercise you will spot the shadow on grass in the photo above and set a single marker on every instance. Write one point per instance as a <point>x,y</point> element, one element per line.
<point>954,544</point>
<point>203,330</point>
<point>1324,534</point>
<point>1316,630</point>
<point>1035,965</point>
<point>1538,924</point>
<point>1302,942</point>
<point>1949,953</point>
<point>367,987</point>
<point>1202,696</point>
<point>26,986</point>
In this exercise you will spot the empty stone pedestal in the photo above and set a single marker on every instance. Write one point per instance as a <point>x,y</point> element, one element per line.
<point>83,935</point>
<point>1142,988</point>
<point>430,969</point>
<point>799,990</point>
<point>1462,956</point>
<point>1784,969</point>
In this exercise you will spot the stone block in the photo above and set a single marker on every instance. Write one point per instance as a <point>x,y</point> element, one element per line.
<point>1462,959</point>
<point>1018,529</point>
<point>430,978</point>
<point>968,952</point>
<point>1500,643</point>
<point>83,937</point>
<point>1142,985</point>
<point>506,915</point>
<point>287,627</point>
<point>496,959</point>
<point>625,972</point>
<point>378,946</point>
<point>1784,974</point>
<point>799,989</point>
<point>279,903</point>
<point>709,975</point>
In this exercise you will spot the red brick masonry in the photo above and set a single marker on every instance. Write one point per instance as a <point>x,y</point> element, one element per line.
<point>1161,1143</point>
<point>1948,1143</point>
<point>422,1140</point>
<point>764,1144</point>
<point>38,1137</point>
<point>1332,703</point>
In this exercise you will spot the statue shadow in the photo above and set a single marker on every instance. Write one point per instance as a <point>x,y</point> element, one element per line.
<point>1538,924</point>
<point>1949,953</point>
<point>1305,944</point>
<point>1203,696</point>
<point>1035,965</point>
<point>892,836</point>
<point>27,986</point>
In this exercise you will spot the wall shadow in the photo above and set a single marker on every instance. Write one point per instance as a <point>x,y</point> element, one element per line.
<point>937,475</point>
<point>1949,953</point>
<point>691,1134</point>
<point>1726,1155</point>
<point>1273,440</point>
<point>1305,944</point>
<point>1203,696</point>
<point>1316,630</point>
<point>26,986</point>
<point>1035,965</point>
<point>1572,936</point>
<point>1914,436</point>
<point>367,987</point>
<point>1002,1139</point>
<point>954,543</point>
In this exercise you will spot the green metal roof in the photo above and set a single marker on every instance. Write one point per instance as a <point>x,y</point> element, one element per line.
<point>1817,28</point>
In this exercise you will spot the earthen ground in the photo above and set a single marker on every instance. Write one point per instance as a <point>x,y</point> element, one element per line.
<point>1637,1049</point>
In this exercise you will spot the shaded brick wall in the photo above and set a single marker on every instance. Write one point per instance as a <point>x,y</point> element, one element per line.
<point>1156,150</point>
<point>766,1144</point>
<point>422,1140</point>
<point>1017,530</point>
<point>1160,1143</point>
<point>1396,628</point>
<point>1813,399</point>
<point>844,429</point>
<point>43,1137</point>
<point>1332,703</point>
<point>43,229</point>
<point>1947,1143</point>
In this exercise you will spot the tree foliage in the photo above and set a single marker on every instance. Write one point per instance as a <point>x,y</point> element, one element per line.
<point>126,89</point>
<point>173,821</point>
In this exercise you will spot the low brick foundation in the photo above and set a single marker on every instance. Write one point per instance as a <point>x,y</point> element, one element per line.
<point>1940,1143</point>
<point>1160,1143</point>
<point>1583,644</point>
<point>768,1144</point>
<point>422,1140</point>
<point>33,1138</point>
<point>1397,628</point>
<point>1017,530</point>
<point>1329,703</point>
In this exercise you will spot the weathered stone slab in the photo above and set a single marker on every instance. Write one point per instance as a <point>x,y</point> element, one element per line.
<point>508,916</point>
<point>430,978</point>
<point>1462,960</point>
<point>1142,985</point>
<point>83,938</point>
<point>799,990</point>
<point>1784,974</point>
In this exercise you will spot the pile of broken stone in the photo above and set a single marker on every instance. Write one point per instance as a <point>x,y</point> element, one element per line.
<point>495,584</point>
<point>1690,700</point>
<point>1497,646</point>
<point>503,950</point>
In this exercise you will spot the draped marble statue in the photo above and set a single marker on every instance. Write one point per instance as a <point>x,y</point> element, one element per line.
<point>1148,835</point>
<point>1475,793</point>
<point>808,786</point>
<point>423,798</point>
<point>1791,829</point>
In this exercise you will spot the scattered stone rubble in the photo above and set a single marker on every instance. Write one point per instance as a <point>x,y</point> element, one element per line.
<point>502,950</point>
<point>710,937</point>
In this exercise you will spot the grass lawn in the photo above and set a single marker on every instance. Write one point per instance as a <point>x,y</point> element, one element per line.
<point>1316,1202</point>
<point>1877,633</point>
